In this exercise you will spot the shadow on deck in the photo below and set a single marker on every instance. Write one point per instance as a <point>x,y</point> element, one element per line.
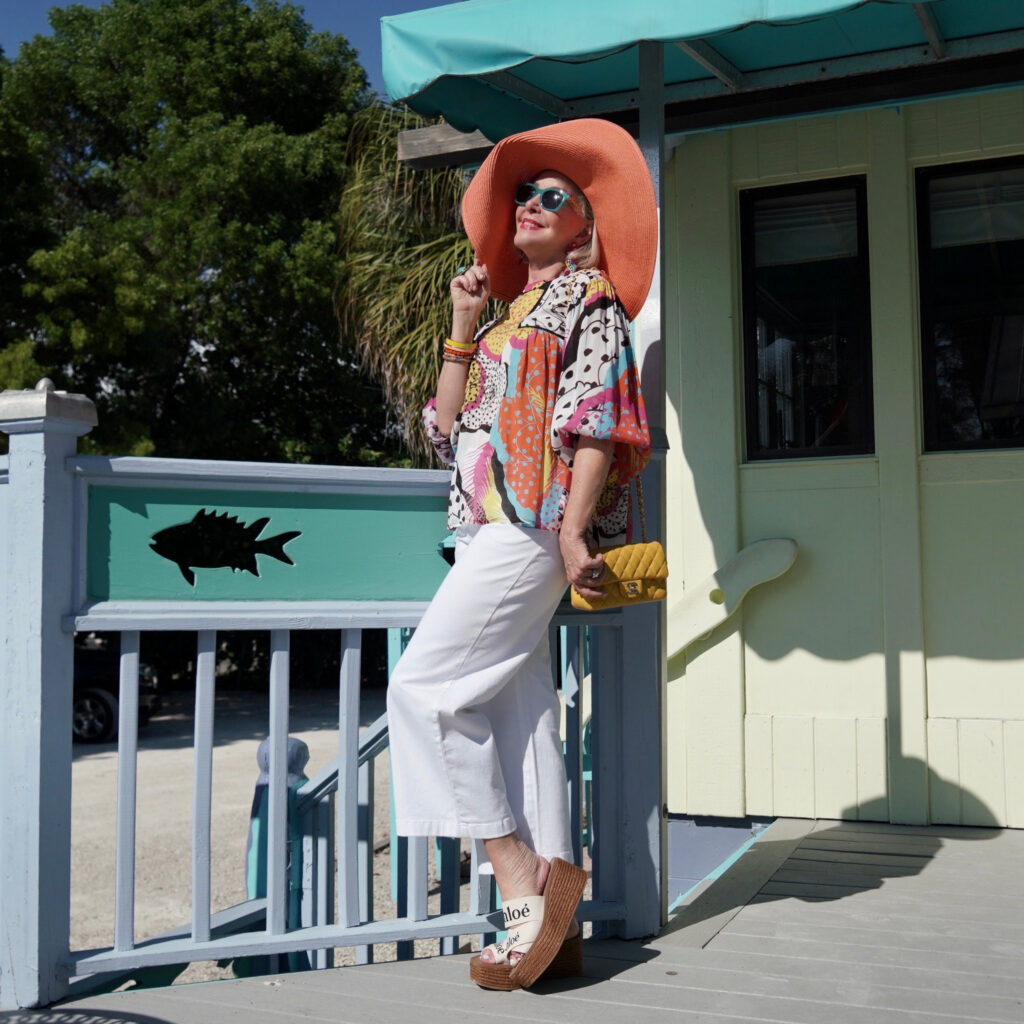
<point>844,922</point>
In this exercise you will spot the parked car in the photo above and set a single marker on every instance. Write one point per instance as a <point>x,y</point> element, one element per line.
<point>97,688</point>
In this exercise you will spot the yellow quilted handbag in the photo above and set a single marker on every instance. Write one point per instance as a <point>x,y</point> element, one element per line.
<point>633,574</point>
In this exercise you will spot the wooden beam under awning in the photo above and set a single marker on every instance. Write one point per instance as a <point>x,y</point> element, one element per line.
<point>930,26</point>
<point>441,145</point>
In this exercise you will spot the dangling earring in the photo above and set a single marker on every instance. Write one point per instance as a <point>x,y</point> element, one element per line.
<point>570,263</point>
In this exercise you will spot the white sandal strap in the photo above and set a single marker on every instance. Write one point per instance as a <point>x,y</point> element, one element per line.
<point>523,918</point>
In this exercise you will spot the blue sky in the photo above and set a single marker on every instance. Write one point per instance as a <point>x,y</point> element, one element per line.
<point>357,20</point>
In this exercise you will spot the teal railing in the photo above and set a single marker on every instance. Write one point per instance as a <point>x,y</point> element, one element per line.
<point>135,545</point>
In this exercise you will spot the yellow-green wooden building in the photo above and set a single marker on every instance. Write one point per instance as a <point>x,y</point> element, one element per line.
<point>882,677</point>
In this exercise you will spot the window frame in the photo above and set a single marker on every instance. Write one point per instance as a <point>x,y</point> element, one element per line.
<point>748,320</point>
<point>930,443</point>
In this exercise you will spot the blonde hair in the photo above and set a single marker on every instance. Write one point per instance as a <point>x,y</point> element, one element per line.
<point>588,254</point>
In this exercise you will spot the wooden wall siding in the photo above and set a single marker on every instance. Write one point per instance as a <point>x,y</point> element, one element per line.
<point>901,603</point>
<point>977,768</point>
<point>705,714</point>
<point>678,482</point>
<point>1013,762</point>
<point>973,567</point>
<point>895,366</point>
<point>813,639</point>
<point>967,126</point>
<point>802,148</point>
<point>832,767</point>
<point>973,563</point>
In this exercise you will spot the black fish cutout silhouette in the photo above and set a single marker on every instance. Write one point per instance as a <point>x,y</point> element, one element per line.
<point>212,541</point>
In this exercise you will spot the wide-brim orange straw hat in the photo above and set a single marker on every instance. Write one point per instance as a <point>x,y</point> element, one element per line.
<point>605,162</point>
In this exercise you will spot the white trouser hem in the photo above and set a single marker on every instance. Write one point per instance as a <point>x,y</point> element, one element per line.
<point>456,829</point>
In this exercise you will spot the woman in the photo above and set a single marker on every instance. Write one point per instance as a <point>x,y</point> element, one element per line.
<point>540,413</point>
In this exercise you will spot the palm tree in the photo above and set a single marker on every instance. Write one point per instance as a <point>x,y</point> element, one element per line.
<point>401,243</point>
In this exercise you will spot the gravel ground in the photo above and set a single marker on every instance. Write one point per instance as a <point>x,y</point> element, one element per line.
<point>163,866</point>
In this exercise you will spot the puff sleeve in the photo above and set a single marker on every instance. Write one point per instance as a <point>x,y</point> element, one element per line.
<point>443,444</point>
<point>598,392</point>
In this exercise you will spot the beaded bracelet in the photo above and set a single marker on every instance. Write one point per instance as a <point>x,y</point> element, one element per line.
<point>458,351</point>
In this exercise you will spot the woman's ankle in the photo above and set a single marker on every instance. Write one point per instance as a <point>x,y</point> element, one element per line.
<point>518,870</point>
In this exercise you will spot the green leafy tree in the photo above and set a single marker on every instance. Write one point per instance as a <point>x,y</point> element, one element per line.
<point>193,153</point>
<point>22,231</point>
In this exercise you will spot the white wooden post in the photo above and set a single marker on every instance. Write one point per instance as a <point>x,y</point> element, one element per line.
<point>642,660</point>
<point>36,669</point>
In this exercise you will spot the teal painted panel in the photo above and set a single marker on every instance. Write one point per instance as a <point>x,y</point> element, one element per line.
<point>345,547</point>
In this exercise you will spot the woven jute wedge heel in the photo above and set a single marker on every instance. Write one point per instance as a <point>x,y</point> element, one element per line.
<point>562,893</point>
<point>568,963</point>
<point>539,923</point>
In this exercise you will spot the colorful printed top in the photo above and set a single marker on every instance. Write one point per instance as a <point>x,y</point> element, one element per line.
<point>559,364</point>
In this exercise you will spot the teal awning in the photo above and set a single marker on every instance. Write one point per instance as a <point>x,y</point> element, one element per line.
<point>507,65</point>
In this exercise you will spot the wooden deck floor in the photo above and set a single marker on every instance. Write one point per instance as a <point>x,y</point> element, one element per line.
<point>823,922</point>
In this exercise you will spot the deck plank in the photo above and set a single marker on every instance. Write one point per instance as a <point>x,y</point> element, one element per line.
<point>831,914</point>
<point>906,937</point>
<point>824,890</point>
<point>766,962</point>
<point>845,922</point>
<point>852,952</point>
<point>865,900</point>
<point>866,991</point>
<point>971,832</point>
<point>943,869</point>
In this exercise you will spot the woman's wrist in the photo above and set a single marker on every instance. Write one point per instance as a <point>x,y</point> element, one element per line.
<point>463,328</point>
<point>574,531</point>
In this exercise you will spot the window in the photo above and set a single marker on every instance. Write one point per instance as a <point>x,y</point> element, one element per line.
<point>806,320</point>
<point>971,252</point>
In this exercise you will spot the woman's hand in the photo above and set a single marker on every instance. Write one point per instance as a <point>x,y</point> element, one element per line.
<point>582,569</point>
<point>589,471</point>
<point>470,291</point>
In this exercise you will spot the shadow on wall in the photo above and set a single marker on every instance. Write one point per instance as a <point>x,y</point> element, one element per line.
<point>966,719</point>
<point>831,602</point>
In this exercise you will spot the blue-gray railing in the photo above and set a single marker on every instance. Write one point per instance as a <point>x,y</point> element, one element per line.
<point>44,599</point>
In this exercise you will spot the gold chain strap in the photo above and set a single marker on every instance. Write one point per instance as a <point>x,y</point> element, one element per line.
<point>643,514</point>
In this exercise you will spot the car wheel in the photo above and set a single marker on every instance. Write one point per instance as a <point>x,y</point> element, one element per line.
<point>95,716</point>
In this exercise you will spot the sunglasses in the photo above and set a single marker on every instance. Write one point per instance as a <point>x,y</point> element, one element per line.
<point>551,199</point>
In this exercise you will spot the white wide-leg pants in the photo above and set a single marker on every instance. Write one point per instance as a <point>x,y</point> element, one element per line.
<point>472,713</point>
